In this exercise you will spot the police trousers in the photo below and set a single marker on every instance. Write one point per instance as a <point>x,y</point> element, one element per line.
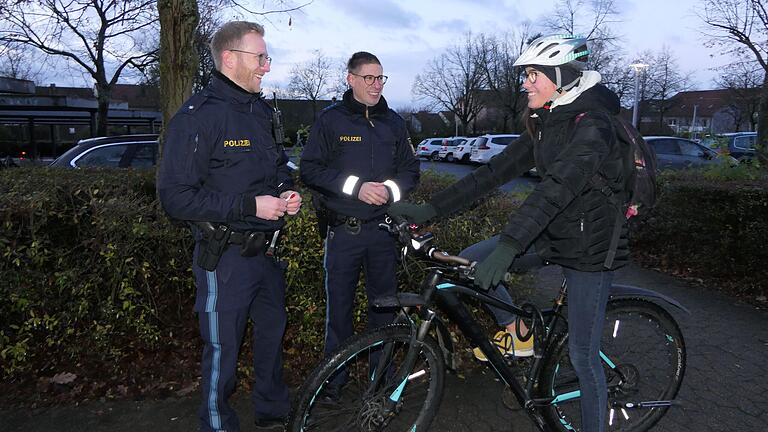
<point>241,288</point>
<point>374,251</point>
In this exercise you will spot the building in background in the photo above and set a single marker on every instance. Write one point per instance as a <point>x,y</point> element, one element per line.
<point>43,122</point>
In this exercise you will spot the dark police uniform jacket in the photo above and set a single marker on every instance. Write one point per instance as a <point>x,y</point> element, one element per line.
<point>351,144</point>
<point>569,220</point>
<point>218,155</point>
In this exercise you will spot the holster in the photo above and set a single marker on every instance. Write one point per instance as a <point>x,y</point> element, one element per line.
<point>253,244</point>
<point>213,244</point>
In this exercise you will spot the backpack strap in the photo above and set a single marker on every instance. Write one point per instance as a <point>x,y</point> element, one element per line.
<point>600,183</point>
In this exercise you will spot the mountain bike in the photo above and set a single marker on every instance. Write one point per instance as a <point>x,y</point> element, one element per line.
<point>393,377</point>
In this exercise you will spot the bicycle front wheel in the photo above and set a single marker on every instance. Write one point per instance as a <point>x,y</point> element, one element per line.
<point>643,355</point>
<point>356,388</point>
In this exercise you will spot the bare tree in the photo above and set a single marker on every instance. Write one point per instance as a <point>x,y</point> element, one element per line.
<point>314,79</point>
<point>740,28</point>
<point>618,76</point>
<point>101,38</point>
<point>594,19</point>
<point>340,85</point>
<point>210,21</point>
<point>452,81</point>
<point>590,18</point>
<point>496,56</point>
<point>742,80</point>
<point>19,63</point>
<point>664,81</point>
<point>179,20</point>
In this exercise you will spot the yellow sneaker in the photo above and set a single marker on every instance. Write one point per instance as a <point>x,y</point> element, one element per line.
<point>509,345</point>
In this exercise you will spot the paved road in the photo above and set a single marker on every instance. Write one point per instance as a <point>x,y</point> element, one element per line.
<point>724,387</point>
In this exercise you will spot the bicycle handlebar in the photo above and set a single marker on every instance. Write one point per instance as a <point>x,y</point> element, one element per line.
<point>406,233</point>
<point>411,240</point>
<point>445,257</point>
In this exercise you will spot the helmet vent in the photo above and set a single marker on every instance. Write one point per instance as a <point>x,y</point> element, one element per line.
<point>547,47</point>
<point>554,54</point>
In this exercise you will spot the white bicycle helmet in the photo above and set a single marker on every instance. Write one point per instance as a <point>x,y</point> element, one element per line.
<point>555,50</point>
<point>560,57</point>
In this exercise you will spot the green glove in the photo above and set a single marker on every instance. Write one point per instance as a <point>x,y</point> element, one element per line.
<point>491,270</point>
<point>414,213</point>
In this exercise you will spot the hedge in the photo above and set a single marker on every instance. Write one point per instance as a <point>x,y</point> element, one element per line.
<point>711,226</point>
<point>96,281</point>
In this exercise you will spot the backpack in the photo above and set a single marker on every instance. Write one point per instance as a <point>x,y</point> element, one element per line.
<point>641,183</point>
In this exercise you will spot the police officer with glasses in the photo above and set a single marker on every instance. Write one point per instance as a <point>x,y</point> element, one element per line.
<point>358,159</point>
<point>224,173</point>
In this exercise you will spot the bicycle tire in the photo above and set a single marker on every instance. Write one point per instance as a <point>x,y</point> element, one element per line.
<point>648,349</point>
<point>356,410</point>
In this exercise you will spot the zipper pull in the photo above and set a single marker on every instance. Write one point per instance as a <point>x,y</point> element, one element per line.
<point>368,118</point>
<point>581,224</point>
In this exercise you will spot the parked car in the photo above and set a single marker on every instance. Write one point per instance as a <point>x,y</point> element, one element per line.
<point>487,146</point>
<point>123,151</point>
<point>740,145</point>
<point>464,150</point>
<point>681,153</point>
<point>450,147</point>
<point>430,148</point>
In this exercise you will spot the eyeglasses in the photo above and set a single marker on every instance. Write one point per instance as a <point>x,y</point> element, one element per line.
<point>263,58</point>
<point>531,76</point>
<point>369,79</point>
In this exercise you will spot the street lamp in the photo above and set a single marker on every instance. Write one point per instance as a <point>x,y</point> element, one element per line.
<point>639,68</point>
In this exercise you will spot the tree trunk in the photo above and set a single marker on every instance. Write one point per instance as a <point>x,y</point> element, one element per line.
<point>103,96</point>
<point>762,125</point>
<point>178,57</point>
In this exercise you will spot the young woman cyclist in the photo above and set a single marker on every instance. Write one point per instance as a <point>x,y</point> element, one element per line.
<point>566,219</point>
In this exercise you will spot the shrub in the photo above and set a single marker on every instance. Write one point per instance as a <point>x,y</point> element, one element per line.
<point>710,226</point>
<point>97,281</point>
<point>94,275</point>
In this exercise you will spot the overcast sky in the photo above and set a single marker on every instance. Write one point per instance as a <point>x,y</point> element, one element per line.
<point>405,35</point>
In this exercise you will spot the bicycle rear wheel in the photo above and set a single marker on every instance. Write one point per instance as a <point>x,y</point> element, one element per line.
<point>645,354</point>
<point>365,401</point>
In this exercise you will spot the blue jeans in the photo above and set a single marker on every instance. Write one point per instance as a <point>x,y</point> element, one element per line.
<point>587,299</point>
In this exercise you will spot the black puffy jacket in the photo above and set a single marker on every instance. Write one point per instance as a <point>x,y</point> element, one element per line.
<point>570,221</point>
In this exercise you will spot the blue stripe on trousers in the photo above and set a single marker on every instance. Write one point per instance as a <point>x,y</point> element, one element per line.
<point>213,328</point>
<point>325,267</point>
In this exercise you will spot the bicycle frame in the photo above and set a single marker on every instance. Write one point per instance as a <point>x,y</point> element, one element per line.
<point>442,291</point>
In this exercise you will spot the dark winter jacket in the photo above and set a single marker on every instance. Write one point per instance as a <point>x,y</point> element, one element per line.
<point>570,221</point>
<point>218,155</point>
<point>351,144</point>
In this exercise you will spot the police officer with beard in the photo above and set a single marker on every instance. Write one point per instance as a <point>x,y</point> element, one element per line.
<point>223,172</point>
<point>359,159</point>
